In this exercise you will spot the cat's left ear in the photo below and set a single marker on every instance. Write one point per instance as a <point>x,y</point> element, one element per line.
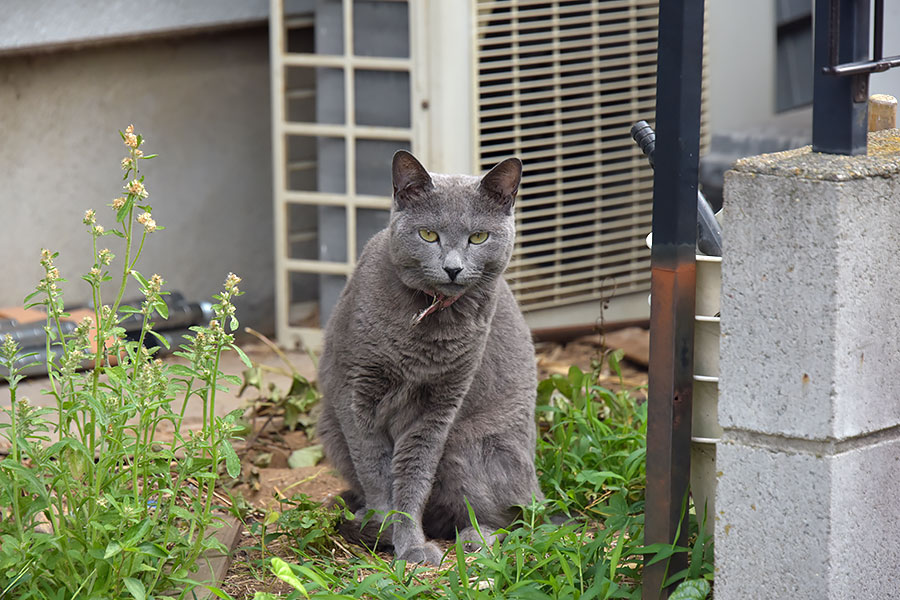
<point>501,184</point>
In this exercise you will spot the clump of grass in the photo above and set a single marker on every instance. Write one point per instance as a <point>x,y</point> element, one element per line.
<point>590,459</point>
<point>107,511</point>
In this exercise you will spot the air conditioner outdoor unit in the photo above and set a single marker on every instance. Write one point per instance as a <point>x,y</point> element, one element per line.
<point>464,84</point>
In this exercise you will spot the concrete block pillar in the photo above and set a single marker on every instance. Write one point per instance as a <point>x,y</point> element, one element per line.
<point>808,500</point>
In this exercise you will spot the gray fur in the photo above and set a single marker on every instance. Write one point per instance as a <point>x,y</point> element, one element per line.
<point>419,418</point>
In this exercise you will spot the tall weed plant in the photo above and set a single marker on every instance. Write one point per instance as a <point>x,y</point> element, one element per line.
<point>92,504</point>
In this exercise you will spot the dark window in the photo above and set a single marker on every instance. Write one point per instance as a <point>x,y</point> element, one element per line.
<point>794,54</point>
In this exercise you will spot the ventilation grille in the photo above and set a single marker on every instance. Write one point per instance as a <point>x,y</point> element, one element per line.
<point>559,85</point>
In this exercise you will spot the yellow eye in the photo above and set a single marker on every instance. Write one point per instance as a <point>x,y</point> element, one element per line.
<point>479,237</point>
<point>428,235</point>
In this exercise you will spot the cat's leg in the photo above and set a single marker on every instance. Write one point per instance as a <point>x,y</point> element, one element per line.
<point>360,451</point>
<point>371,454</point>
<point>334,443</point>
<point>492,475</point>
<point>417,452</point>
<point>371,451</point>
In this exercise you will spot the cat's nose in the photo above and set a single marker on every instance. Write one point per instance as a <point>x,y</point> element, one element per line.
<point>452,272</point>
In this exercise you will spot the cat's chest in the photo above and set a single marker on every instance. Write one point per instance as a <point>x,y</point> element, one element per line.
<point>427,354</point>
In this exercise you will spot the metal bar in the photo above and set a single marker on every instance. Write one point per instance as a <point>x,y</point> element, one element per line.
<point>878,31</point>
<point>322,267</point>
<point>326,199</point>
<point>839,103</point>
<point>363,131</point>
<point>339,61</point>
<point>865,66</point>
<point>350,139</point>
<point>279,175</point>
<point>673,281</point>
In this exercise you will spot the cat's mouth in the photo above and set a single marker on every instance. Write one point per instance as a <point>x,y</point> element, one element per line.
<point>439,302</point>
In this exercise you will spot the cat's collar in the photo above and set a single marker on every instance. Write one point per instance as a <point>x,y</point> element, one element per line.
<point>439,302</point>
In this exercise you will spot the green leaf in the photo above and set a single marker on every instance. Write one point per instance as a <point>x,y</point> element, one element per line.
<point>615,556</point>
<point>306,457</point>
<point>692,589</point>
<point>182,513</point>
<point>283,571</point>
<point>112,549</point>
<point>232,462</point>
<point>140,278</point>
<point>135,587</point>
<point>154,550</point>
<point>137,533</point>
<point>182,371</point>
<point>123,212</point>
<point>160,338</point>
<point>244,358</point>
<point>161,308</point>
<point>615,360</point>
<point>224,595</point>
<point>596,478</point>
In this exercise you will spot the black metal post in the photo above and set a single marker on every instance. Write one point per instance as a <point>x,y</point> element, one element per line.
<point>673,281</point>
<point>840,101</point>
<point>878,32</point>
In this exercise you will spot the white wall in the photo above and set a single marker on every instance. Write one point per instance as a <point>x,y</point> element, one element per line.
<point>203,104</point>
<point>741,62</point>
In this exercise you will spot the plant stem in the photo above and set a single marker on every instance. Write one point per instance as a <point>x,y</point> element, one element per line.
<point>139,250</point>
<point>274,347</point>
<point>129,226</point>
<point>17,515</point>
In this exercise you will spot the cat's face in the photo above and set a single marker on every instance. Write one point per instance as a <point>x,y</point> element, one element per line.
<point>452,233</point>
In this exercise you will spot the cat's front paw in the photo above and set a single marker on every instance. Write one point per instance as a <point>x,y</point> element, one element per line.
<point>473,540</point>
<point>428,553</point>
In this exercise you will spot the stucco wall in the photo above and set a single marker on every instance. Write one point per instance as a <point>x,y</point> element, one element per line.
<point>201,101</point>
<point>46,24</point>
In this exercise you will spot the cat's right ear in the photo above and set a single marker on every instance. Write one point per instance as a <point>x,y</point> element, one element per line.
<point>409,177</point>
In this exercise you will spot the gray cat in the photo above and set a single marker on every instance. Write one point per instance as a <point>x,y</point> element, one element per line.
<point>428,370</point>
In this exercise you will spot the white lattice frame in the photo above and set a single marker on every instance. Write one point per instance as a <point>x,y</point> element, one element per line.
<point>349,131</point>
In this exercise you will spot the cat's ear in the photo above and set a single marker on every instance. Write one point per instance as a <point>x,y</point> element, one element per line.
<point>410,178</point>
<point>501,184</point>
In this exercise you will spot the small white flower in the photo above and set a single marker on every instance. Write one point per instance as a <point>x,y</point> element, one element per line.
<point>137,188</point>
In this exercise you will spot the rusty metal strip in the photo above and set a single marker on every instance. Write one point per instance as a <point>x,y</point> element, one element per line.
<point>673,282</point>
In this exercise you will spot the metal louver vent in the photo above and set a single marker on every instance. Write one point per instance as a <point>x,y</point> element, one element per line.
<point>559,84</point>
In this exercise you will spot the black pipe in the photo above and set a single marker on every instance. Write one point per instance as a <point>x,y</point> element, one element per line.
<point>709,232</point>
<point>33,334</point>
<point>31,337</point>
